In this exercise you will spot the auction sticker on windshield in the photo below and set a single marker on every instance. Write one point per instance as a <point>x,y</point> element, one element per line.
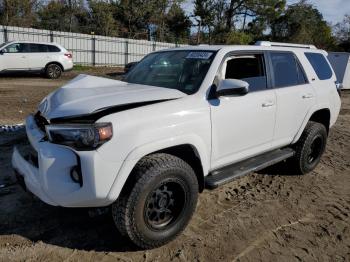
<point>199,55</point>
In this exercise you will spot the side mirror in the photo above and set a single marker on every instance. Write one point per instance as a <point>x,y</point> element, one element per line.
<point>230,87</point>
<point>2,52</point>
<point>129,66</point>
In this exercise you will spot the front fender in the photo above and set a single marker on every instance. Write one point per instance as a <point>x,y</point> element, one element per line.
<point>139,152</point>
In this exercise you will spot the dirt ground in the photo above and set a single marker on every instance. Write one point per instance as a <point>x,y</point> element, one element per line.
<point>267,216</point>
<point>20,94</point>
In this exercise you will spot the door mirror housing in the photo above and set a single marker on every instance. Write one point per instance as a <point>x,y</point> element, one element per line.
<point>231,87</point>
<point>2,52</point>
<point>129,66</point>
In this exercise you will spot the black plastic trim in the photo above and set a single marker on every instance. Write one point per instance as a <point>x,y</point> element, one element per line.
<point>230,172</point>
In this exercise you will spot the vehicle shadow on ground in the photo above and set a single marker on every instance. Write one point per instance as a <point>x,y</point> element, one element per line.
<point>64,227</point>
<point>21,75</point>
<point>279,169</point>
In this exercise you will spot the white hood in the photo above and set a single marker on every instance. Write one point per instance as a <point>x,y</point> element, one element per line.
<point>86,94</point>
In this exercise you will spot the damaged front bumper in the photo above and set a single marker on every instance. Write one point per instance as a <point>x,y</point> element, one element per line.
<point>27,176</point>
<point>49,176</point>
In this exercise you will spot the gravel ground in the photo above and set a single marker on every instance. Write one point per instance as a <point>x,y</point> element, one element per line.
<point>267,216</point>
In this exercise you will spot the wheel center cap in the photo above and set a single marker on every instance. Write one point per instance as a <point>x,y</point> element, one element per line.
<point>162,201</point>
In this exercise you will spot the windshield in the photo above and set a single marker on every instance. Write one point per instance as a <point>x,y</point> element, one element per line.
<point>181,70</point>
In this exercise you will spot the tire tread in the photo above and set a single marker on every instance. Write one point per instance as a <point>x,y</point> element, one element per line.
<point>124,211</point>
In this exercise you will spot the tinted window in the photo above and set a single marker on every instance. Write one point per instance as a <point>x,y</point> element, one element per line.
<point>249,68</point>
<point>320,65</point>
<point>17,48</point>
<point>38,48</point>
<point>286,69</point>
<point>53,48</point>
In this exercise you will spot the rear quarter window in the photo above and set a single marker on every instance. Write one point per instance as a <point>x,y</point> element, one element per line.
<point>53,48</point>
<point>320,65</point>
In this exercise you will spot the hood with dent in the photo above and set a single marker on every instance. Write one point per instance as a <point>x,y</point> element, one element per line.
<point>86,94</point>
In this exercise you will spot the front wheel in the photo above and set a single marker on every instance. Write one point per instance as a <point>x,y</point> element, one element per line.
<point>159,204</point>
<point>310,147</point>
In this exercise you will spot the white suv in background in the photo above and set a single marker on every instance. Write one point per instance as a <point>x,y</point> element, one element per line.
<point>49,58</point>
<point>182,120</point>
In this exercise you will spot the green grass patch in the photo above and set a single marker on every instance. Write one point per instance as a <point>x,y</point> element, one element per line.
<point>82,67</point>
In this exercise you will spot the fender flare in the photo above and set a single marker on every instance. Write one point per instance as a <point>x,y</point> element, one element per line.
<point>139,152</point>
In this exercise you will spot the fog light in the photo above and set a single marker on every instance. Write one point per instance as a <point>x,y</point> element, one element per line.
<point>75,174</point>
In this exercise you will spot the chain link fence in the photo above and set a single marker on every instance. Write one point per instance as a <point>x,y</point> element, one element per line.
<point>87,49</point>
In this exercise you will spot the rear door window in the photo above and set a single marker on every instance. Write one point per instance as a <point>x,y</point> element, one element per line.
<point>286,70</point>
<point>320,65</point>
<point>38,48</point>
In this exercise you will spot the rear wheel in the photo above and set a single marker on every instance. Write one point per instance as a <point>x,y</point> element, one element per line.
<point>53,71</point>
<point>310,147</point>
<point>160,203</point>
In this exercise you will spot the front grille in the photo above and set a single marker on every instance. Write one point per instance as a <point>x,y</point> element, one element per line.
<point>40,121</point>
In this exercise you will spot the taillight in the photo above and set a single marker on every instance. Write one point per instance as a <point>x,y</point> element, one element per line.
<point>69,55</point>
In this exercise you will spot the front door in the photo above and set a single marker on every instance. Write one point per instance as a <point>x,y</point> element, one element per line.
<point>242,126</point>
<point>14,57</point>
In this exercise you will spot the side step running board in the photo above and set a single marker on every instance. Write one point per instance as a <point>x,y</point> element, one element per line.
<point>226,174</point>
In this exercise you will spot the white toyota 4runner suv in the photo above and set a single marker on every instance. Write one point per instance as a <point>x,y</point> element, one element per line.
<point>182,120</point>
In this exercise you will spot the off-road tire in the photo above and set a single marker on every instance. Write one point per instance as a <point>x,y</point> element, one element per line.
<point>153,173</point>
<point>53,71</point>
<point>305,160</point>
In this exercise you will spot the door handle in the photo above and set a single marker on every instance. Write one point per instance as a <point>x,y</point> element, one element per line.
<point>307,96</point>
<point>23,56</point>
<point>267,104</point>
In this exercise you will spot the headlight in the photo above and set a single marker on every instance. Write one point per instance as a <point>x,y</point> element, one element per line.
<point>80,136</point>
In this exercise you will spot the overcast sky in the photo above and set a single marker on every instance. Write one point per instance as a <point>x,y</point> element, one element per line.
<point>333,10</point>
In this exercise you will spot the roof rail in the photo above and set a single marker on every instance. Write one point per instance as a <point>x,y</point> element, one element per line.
<point>268,43</point>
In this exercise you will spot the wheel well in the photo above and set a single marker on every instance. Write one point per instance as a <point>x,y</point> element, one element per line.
<point>190,155</point>
<point>56,63</point>
<point>322,116</point>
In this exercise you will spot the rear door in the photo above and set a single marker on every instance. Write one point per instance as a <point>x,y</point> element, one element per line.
<point>295,95</point>
<point>14,57</point>
<point>39,56</point>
